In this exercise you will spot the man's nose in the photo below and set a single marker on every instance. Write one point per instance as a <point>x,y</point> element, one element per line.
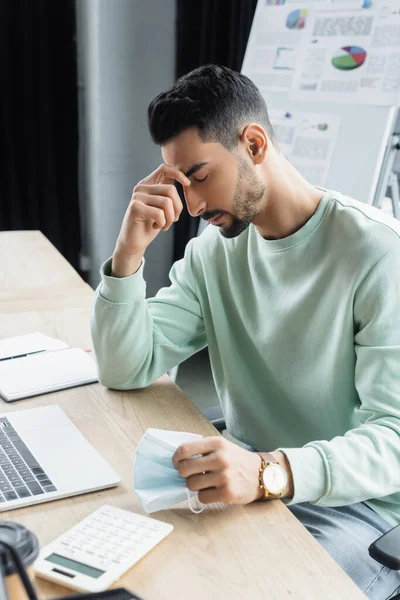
<point>195,203</point>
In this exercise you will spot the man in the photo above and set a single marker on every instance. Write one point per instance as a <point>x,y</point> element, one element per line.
<point>295,292</point>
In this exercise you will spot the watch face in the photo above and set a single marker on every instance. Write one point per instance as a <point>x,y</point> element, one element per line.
<point>275,478</point>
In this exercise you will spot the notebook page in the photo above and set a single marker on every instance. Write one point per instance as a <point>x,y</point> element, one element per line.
<point>22,344</point>
<point>48,371</point>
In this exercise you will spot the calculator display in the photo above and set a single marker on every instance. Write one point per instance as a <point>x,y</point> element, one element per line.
<point>79,567</point>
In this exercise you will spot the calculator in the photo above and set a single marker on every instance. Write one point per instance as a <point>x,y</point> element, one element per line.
<point>99,549</point>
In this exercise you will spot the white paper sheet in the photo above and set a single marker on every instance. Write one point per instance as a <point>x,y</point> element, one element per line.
<point>308,140</point>
<point>351,55</point>
<point>32,342</point>
<point>277,34</point>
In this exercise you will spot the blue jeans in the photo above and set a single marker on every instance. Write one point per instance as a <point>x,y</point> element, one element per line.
<point>346,533</point>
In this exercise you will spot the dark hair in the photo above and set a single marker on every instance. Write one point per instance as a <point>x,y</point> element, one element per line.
<point>216,100</point>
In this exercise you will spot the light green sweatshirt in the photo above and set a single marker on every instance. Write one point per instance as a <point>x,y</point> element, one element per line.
<point>304,342</point>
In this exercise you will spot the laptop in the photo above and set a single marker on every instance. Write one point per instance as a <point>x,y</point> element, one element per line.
<point>43,457</point>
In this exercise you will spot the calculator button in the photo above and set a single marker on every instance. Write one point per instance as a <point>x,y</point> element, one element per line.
<point>102,546</point>
<point>93,533</point>
<point>103,565</point>
<point>106,555</point>
<point>120,558</point>
<point>91,540</point>
<point>119,532</point>
<point>109,529</point>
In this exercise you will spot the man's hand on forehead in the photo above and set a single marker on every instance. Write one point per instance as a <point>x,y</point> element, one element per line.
<point>155,205</point>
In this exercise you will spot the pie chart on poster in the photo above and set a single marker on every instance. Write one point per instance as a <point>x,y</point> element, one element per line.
<point>349,58</point>
<point>297,19</point>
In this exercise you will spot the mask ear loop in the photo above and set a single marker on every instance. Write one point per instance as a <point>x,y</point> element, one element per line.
<point>194,510</point>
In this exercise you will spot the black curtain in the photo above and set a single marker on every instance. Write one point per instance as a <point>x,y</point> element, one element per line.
<point>209,31</point>
<point>39,123</point>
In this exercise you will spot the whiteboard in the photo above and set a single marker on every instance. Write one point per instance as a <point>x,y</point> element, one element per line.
<point>360,148</point>
<point>364,135</point>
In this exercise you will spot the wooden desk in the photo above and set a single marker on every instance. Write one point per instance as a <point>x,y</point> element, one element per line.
<point>36,276</point>
<point>253,552</point>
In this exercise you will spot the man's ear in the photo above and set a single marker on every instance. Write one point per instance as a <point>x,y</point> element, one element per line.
<point>255,141</point>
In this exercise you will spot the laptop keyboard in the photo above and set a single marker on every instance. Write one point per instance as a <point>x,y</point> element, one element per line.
<point>20,473</point>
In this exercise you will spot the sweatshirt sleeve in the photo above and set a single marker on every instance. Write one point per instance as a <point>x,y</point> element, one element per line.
<point>136,340</point>
<point>364,463</point>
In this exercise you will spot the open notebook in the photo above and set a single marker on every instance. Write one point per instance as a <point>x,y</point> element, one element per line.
<point>35,364</point>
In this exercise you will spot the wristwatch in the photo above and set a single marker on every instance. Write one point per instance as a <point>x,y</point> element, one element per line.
<point>272,477</point>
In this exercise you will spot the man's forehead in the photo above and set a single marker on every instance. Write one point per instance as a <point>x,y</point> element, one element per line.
<point>187,150</point>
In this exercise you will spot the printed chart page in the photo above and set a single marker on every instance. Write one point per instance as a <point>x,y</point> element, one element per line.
<point>351,55</point>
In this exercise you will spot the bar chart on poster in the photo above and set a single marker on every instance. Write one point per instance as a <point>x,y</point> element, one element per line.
<point>330,74</point>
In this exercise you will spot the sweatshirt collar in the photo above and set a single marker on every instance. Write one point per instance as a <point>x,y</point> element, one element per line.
<point>302,233</point>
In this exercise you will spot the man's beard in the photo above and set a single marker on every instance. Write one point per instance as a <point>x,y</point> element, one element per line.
<point>245,203</point>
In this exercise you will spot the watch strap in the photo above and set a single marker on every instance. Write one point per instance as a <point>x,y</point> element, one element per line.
<point>268,458</point>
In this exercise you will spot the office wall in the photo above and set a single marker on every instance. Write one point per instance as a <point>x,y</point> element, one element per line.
<point>126,55</point>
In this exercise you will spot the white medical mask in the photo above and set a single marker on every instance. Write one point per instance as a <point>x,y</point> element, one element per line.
<point>156,481</point>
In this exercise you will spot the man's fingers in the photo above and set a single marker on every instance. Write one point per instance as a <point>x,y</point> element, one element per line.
<point>160,202</point>
<point>152,214</point>
<point>196,483</point>
<point>181,177</point>
<point>169,191</point>
<point>193,466</point>
<point>214,495</point>
<point>164,174</point>
<point>203,446</point>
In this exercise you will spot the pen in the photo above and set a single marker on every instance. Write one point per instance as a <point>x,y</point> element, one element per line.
<point>21,355</point>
